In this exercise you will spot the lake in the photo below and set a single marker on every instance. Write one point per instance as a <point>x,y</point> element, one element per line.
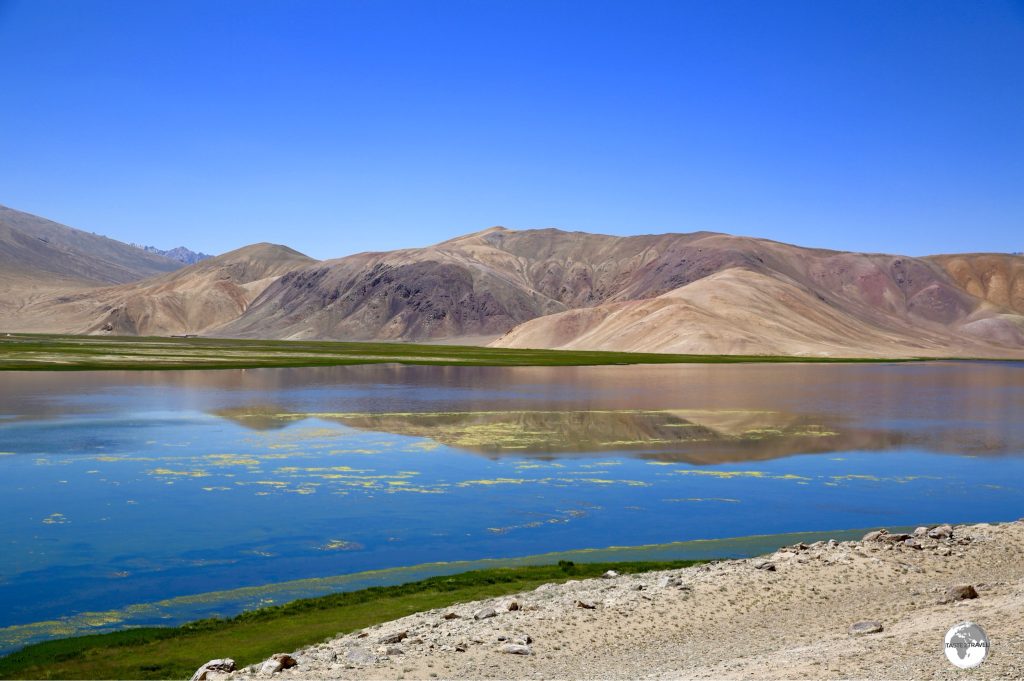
<point>157,497</point>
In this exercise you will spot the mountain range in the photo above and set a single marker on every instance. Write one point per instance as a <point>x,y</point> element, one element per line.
<point>180,253</point>
<point>699,292</point>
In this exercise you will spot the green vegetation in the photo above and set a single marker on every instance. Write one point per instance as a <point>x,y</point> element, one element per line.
<point>176,652</point>
<point>19,352</point>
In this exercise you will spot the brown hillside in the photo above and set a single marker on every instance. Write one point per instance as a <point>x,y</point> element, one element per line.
<point>190,300</point>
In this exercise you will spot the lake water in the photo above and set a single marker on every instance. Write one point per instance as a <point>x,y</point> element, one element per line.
<point>156,497</point>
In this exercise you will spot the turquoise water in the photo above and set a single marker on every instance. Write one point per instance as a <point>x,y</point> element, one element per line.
<point>121,488</point>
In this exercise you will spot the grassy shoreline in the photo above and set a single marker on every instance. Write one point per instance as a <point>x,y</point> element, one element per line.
<point>43,352</point>
<point>176,652</point>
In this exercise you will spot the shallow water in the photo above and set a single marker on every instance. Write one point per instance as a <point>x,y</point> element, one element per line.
<point>126,488</point>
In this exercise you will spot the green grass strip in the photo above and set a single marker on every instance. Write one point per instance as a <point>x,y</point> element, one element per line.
<point>34,352</point>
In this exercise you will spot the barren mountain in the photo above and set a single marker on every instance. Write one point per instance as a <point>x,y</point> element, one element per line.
<point>476,285</point>
<point>33,249</point>
<point>190,300</point>
<point>699,292</point>
<point>995,277</point>
<point>691,293</point>
<point>739,311</point>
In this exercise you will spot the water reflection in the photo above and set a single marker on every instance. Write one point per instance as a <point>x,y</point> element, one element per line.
<point>696,413</point>
<point>694,436</point>
<point>122,488</point>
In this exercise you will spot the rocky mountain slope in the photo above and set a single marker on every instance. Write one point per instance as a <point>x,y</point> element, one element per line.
<point>39,259</point>
<point>689,293</point>
<point>188,301</point>
<point>995,277</point>
<point>37,250</point>
<point>876,608</point>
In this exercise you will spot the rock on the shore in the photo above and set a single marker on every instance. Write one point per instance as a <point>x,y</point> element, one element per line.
<point>396,637</point>
<point>223,665</point>
<point>866,627</point>
<point>485,613</point>
<point>278,662</point>
<point>359,656</point>
<point>515,649</point>
<point>941,532</point>
<point>959,592</point>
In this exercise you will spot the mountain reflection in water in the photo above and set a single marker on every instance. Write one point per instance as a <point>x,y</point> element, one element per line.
<point>134,487</point>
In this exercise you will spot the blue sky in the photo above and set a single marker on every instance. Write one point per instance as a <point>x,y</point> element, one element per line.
<point>336,127</point>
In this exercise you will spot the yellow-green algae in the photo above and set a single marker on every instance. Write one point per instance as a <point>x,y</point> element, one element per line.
<point>55,519</point>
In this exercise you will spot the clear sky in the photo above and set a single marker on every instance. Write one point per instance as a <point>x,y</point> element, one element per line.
<point>342,126</point>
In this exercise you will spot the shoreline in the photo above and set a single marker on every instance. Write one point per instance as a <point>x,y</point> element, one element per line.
<point>180,610</point>
<point>878,607</point>
<point>810,586</point>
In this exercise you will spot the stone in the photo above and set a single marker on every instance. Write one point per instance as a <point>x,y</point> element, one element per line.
<point>450,616</point>
<point>396,637</point>
<point>877,535</point>
<point>610,574</point>
<point>327,656</point>
<point>921,532</point>
<point>484,613</point>
<point>515,649</point>
<point>512,606</point>
<point>586,605</point>
<point>666,582</point>
<point>913,543</point>
<point>220,665</point>
<point>865,627</point>
<point>277,662</point>
<point>359,656</point>
<point>765,565</point>
<point>941,532</point>
<point>959,592</point>
<point>389,650</point>
<point>522,639</point>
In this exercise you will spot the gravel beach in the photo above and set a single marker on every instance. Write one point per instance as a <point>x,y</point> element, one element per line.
<point>875,608</point>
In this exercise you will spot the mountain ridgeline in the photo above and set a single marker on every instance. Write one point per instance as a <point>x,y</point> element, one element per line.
<point>699,292</point>
<point>183,255</point>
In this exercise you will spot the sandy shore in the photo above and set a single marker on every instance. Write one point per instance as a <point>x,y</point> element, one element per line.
<point>784,615</point>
